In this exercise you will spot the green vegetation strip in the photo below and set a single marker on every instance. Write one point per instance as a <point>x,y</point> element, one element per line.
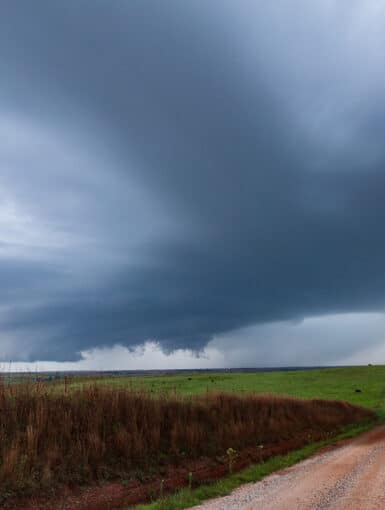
<point>186,498</point>
<point>363,386</point>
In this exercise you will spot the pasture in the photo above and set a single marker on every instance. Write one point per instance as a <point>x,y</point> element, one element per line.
<point>326,383</point>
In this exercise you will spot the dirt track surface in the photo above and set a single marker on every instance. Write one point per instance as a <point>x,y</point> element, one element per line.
<point>351,477</point>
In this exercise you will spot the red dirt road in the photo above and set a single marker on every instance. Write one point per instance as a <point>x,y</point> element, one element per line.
<point>351,477</point>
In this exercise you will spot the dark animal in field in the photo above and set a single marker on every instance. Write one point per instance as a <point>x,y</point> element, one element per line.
<point>358,390</point>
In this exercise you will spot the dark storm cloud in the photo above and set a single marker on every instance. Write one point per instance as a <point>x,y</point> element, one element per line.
<point>186,169</point>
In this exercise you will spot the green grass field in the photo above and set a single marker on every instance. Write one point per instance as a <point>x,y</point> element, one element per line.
<point>330,383</point>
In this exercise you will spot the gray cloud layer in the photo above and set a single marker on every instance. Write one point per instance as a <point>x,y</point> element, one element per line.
<point>179,170</point>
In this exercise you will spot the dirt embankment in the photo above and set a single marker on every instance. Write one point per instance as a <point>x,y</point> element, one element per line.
<point>116,494</point>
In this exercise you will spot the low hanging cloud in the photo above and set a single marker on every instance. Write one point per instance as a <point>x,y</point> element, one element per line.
<point>327,340</point>
<point>178,172</point>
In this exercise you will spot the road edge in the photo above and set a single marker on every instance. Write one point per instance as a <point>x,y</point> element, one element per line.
<point>188,498</point>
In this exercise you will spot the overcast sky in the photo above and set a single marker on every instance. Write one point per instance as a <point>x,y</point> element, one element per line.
<point>192,183</point>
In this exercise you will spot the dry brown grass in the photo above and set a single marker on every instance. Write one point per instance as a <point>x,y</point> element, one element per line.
<point>49,436</point>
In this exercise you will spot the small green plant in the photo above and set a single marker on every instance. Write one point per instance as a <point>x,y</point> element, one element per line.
<point>190,480</point>
<point>260,448</point>
<point>232,455</point>
<point>161,493</point>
